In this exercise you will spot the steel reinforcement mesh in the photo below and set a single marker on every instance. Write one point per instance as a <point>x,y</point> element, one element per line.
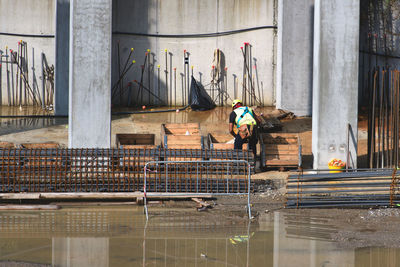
<point>119,170</point>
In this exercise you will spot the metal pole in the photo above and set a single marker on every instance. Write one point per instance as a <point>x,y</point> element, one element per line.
<point>170,77</point>
<point>188,78</point>
<point>184,71</point>
<point>145,191</point>
<point>12,78</point>
<point>26,74</point>
<point>175,84</point>
<point>149,75</point>
<point>158,83</point>
<point>8,58</point>
<point>166,76</point>
<point>43,84</point>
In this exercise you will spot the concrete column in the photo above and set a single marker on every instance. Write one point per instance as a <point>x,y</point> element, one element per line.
<point>335,80</point>
<point>62,57</point>
<point>294,59</point>
<point>90,74</point>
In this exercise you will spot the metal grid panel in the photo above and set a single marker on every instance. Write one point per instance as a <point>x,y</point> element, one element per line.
<point>102,170</point>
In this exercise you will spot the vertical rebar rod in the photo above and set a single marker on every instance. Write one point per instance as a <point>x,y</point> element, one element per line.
<point>175,86</point>
<point>170,78</point>
<point>44,103</point>
<point>166,77</point>
<point>158,83</point>
<point>26,74</point>
<point>12,78</point>
<point>8,58</point>
<point>149,66</point>
<point>188,78</point>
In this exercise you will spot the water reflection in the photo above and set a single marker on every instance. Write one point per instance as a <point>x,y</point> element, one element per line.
<point>120,236</point>
<point>20,124</point>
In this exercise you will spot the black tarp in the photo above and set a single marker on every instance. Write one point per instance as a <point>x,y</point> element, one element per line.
<point>198,97</point>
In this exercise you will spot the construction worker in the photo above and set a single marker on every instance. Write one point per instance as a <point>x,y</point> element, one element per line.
<point>245,121</point>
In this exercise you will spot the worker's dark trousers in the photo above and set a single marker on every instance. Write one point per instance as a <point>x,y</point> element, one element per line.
<point>252,141</point>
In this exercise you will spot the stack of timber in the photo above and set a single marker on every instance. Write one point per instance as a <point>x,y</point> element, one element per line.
<point>344,189</point>
<point>280,150</point>
<point>222,141</point>
<point>181,136</point>
<point>128,141</point>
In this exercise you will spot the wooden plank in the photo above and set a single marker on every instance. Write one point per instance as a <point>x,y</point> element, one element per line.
<point>29,207</point>
<point>282,147</point>
<point>283,141</point>
<point>187,146</point>
<point>134,139</point>
<point>182,125</point>
<point>40,145</point>
<point>285,135</point>
<point>183,140</point>
<point>7,145</point>
<point>227,146</point>
<point>281,163</point>
<point>281,157</point>
<point>291,153</point>
<point>138,146</point>
<point>182,131</point>
<point>221,138</point>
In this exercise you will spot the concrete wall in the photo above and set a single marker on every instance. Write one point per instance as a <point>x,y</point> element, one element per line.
<point>161,17</point>
<point>195,17</point>
<point>31,18</point>
<point>295,56</point>
<point>335,86</point>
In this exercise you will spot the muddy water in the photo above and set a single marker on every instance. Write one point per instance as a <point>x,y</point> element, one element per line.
<point>21,124</point>
<point>120,236</point>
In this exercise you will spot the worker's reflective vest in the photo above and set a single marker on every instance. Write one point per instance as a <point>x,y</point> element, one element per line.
<point>244,116</point>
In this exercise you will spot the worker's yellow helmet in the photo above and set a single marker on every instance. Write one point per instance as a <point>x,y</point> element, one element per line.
<point>235,102</point>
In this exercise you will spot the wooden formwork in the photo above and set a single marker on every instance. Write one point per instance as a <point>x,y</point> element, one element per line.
<point>222,141</point>
<point>40,145</point>
<point>7,145</point>
<point>130,141</point>
<point>282,150</point>
<point>181,136</point>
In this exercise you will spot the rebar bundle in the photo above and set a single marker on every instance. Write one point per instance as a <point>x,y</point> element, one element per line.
<point>249,96</point>
<point>21,90</point>
<point>383,119</point>
<point>346,189</point>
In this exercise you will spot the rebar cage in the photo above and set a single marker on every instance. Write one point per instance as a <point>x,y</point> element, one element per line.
<point>102,170</point>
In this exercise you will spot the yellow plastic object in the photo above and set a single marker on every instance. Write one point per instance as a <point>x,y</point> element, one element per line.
<point>336,168</point>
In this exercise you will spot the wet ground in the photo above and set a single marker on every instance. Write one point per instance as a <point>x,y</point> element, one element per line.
<point>181,236</point>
